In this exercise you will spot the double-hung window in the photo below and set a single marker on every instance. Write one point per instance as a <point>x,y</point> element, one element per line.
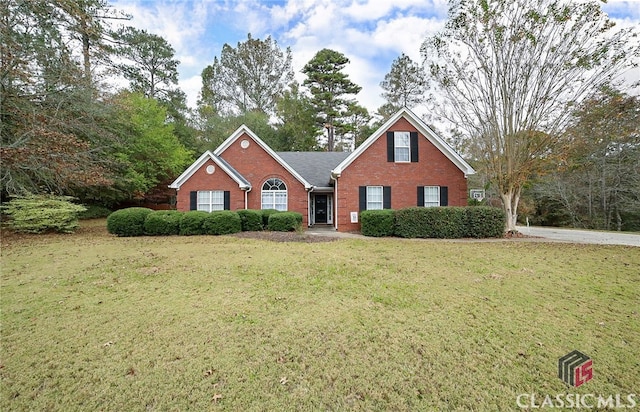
<point>374,198</point>
<point>210,200</point>
<point>402,147</point>
<point>431,196</point>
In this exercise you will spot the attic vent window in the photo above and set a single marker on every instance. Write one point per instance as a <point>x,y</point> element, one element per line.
<point>211,169</point>
<point>244,144</point>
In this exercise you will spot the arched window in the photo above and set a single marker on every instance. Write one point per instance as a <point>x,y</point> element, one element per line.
<point>274,194</point>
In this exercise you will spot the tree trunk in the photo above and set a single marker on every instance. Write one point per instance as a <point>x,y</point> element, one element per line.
<point>86,44</point>
<point>330,137</point>
<point>510,199</point>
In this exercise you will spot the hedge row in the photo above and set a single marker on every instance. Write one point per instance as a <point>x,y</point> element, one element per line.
<point>434,222</point>
<point>139,221</point>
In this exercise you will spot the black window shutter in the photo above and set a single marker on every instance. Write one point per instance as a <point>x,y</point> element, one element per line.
<point>386,197</point>
<point>420,195</point>
<point>363,197</point>
<point>414,146</point>
<point>193,200</point>
<point>444,196</point>
<point>227,200</point>
<point>391,156</point>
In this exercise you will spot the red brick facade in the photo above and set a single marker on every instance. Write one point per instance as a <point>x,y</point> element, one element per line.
<point>372,169</point>
<point>257,166</point>
<point>201,180</point>
<point>253,163</point>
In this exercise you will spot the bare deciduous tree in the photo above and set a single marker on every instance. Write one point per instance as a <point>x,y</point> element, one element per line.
<point>248,77</point>
<point>510,72</point>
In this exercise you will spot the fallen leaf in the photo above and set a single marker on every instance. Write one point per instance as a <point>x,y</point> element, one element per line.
<point>284,380</point>
<point>108,344</point>
<point>217,397</point>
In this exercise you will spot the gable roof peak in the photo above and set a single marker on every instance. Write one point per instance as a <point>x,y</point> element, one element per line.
<point>221,163</point>
<point>422,127</point>
<point>244,129</point>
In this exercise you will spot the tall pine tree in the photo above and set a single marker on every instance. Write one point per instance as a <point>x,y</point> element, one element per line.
<point>329,88</point>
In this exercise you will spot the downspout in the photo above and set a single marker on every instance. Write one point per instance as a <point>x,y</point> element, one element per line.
<point>335,177</point>
<point>309,190</point>
<point>246,198</point>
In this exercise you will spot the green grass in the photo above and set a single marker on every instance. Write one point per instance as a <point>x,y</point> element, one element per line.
<point>95,322</point>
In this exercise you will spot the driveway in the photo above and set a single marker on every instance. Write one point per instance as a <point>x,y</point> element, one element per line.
<point>582,236</point>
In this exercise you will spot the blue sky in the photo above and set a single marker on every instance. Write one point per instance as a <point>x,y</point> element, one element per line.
<point>371,33</point>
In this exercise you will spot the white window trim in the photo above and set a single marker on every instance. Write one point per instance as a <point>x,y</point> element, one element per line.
<point>273,195</point>
<point>208,204</point>
<point>431,203</point>
<point>381,202</point>
<point>396,146</point>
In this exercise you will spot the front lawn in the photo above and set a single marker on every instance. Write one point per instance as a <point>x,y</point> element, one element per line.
<point>91,321</point>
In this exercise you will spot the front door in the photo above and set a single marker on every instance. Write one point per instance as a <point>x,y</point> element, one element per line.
<point>320,206</point>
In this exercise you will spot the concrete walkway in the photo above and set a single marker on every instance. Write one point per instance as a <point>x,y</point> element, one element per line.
<point>331,232</point>
<point>582,236</point>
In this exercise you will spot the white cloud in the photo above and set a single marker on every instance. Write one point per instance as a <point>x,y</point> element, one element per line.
<point>366,34</point>
<point>395,35</point>
<point>191,87</point>
<point>629,8</point>
<point>371,33</point>
<point>182,24</point>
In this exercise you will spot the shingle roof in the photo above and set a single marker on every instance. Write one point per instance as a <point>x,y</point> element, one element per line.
<point>234,172</point>
<point>244,130</point>
<point>223,164</point>
<point>314,167</point>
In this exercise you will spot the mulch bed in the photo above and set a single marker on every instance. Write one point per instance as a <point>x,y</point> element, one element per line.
<point>285,237</point>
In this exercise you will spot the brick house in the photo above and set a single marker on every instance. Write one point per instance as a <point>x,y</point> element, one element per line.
<point>404,163</point>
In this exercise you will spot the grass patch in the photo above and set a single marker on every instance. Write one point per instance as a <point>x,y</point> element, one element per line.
<point>91,321</point>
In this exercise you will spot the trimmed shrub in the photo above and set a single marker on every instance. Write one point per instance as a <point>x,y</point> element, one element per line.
<point>222,222</point>
<point>42,213</point>
<point>265,216</point>
<point>251,220</point>
<point>94,212</point>
<point>378,222</point>
<point>431,222</point>
<point>128,222</point>
<point>285,221</point>
<point>484,221</point>
<point>191,222</point>
<point>162,223</point>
